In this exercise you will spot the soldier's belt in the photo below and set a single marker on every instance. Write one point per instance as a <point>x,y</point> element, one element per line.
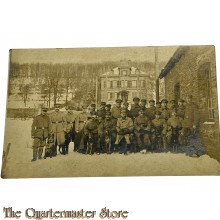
<point>56,122</point>
<point>42,128</point>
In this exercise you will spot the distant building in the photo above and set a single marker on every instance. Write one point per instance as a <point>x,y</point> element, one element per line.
<point>192,71</point>
<point>126,82</point>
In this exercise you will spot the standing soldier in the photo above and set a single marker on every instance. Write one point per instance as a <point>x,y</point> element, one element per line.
<point>70,127</point>
<point>108,107</point>
<point>181,109</point>
<point>40,132</point>
<point>124,128</point>
<point>92,109</point>
<point>80,121</point>
<point>143,106</point>
<point>135,108</point>
<point>142,128</point>
<point>158,106</point>
<point>116,109</point>
<point>128,112</point>
<point>151,110</point>
<point>172,106</point>
<point>159,131</point>
<point>107,128</point>
<point>191,117</point>
<point>165,112</point>
<point>102,111</point>
<point>58,129</point>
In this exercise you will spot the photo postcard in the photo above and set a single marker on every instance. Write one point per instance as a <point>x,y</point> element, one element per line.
<point>120,111</point>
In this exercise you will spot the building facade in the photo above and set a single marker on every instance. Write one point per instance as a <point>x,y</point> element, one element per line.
<point>126,82</point>
<point>192,71</point>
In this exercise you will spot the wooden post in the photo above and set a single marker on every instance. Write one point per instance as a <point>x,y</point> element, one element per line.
<point>156,74</point>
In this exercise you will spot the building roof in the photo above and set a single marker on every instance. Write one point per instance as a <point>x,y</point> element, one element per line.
<point>173,60</point>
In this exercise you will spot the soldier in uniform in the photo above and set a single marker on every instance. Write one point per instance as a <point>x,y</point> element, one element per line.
<point>128,112</point>
<point>181,109</point>
<point>143,106</point>
<point>165,112</point>
<point>92,109</point>
<point>172,106</point>
<point>91,131</point>
<point>107,127</point>
<point>108,107</point>
<point>70,127</point>
<point>40,133</point>
<point>102,111</point>
<point>191,118</point>
<point>135,108</point>
<point>151,110</point>
<point>116,109</point>
<point>80,122</point>
<point>124,128</point>
<point>158,106</point>
<point>58,129</point>
<point>174,123</point>
<point>159,130</point>
<point>142,128</point>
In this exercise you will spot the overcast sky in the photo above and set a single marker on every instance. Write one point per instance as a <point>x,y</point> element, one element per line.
<point>91,55</point>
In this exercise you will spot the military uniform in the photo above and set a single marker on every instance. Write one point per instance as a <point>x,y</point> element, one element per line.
<point>58,129</point>
<point>142,127</point>
<point>135,108</point>
<point>91,128</point>
<point>159,128</point>
<point>174,123</point>
<point>151,112</point>
<point>116,112</point>
<point>165,113</point>
<point>122,124</point>
<point>107,127</point>
<point>101,112</point>
<point>181,111</point>
<point>40,132</point>
<point>70,129</point>
<point>80,122</point>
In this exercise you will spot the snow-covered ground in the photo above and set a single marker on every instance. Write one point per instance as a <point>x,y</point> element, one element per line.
<point>19,165</point>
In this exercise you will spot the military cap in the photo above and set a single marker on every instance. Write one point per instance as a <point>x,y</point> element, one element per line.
<point>118,100</point>
<point>143,100</point>
<point>164,100</point>
<point>151,101</point>
<point>108,113</point>
<point>181,100</point>
<point>136,98</point>
<point>93,105</point>
<point>108,105</point>
<point>103,103</point>
<point>126,104</point>
<point>44,108</point>
<point>172,101</point>
<point>157,113</point>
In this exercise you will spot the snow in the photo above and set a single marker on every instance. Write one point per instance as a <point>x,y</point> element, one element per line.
<point>19,165</point>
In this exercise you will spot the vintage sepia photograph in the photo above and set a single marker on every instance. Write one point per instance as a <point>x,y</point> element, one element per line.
<point>120,111</point>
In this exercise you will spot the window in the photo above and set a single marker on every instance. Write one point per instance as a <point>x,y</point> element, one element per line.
<point>104,84</point>
<point>110,96</point>
<point>134,83</point>
<point>129,84</point>
<point>118,84</point>
<point>125,84</point>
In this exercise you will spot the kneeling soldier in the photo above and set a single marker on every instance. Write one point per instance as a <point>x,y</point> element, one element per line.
<point>142,128</point>
<point>124,128</point>
<point>159,130</point>
<point>40,133</point>
<point>107,133</point>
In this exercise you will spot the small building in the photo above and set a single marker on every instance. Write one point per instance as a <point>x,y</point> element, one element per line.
<point>126,82</point>
<point>192,71</point>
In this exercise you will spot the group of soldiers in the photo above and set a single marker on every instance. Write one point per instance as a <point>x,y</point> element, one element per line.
<point>117,128</point>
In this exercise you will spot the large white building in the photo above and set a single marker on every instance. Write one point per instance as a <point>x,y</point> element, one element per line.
<point>126,82</point>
